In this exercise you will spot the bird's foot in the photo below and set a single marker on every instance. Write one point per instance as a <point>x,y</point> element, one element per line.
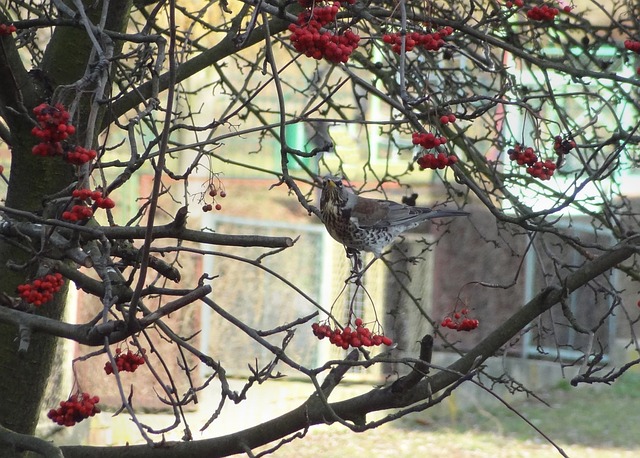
<point>355,277</point>
<point>356,266</point>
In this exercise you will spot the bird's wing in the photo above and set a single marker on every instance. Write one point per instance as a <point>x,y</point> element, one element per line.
<point>384,213</point>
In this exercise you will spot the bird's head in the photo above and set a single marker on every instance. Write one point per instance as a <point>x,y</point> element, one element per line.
<point>334,194</point>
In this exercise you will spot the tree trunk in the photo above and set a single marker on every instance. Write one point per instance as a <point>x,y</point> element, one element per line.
<point>33,178</point>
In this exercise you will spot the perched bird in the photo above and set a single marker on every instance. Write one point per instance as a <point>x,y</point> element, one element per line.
<point>363,224</point>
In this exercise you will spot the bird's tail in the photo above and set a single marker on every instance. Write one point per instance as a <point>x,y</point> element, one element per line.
<point>445,213</point>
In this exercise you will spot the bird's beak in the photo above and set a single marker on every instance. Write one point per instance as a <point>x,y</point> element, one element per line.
<point>331,184</point>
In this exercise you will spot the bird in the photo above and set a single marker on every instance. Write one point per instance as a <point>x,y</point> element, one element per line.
<point>364,224</point>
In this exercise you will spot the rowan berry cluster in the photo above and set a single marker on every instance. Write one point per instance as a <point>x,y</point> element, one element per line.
<point>311,3</point>
<point>436,161</point>
<point>80,211</point>
<point>526,156</point>
<point>41,290</point>
<point>361,336</point>
<point>53,129</point>
<point>309,37</point>
<point>632,45</point>
<point>542,13</point>
<point>542,169</point>
<point>7,29</point>
<point>214,192</point>
<point>448,119</point>
<point>516,3</point>
<point>75,409</point>
<point>430,41</point>
<point>460,321</point>
<point>53,123</point>
<point>427,140</point>
<point>522,155</point>
<point>563,146</point>
<point>125,362</point>
<point>96,196</point>
<point>79,155</point>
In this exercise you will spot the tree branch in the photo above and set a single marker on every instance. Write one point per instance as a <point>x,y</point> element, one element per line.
<point>311,413</point>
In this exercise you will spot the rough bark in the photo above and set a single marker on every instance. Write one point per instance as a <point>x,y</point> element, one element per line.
<point>31,180</point>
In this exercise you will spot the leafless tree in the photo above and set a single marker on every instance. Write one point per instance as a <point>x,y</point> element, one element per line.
<point>534,116</point>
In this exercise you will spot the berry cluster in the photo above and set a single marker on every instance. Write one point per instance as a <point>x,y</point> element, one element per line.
<point>436,161</point>
<point>214,192</point>
<point>542,169</point>
<point>542,13</point>
<point>522,155</point>
<point>430,41</point>
<point>309,37</point>
<point>563,146</point>
<point>361,336</point>
<point>460,321</point>
<point>7,29</point>
<point>88,195</point>
<point>80,211</point>
<point>632,45</point>
<point>41,290</point>
<point>516,3</point>
<point>53,123</point>
<point>448,119</point>
<point>427,140</point>
<point>526,156</point>
<point>125,362</point>
<point>312,3</point>
<point>75,409</point>
<point>79,155</point>
<point>53,129</point>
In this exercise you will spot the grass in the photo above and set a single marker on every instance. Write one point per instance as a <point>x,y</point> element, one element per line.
<point>585,422</point>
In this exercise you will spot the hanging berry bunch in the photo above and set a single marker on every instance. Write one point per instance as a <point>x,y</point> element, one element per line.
<point>312,33</point>
<point>633,46</point>
<point>80,211</point>
<point>460,321</point>
<point>542,13</point>
<point>562,146</point>
<point>53,130</point>
<point>7,29</point>
<point>526,156</point>
<point>75,409</point>
<point>125,362</point>
<point>216,190</point>
<point>41,290</point>
<point>432,41</point>
<point>514,3</point>
<point>448,119</point>
<point>429,160</point>
<point>361,336</point>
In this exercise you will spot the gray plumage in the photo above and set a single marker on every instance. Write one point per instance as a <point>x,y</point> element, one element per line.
<point>364,224</point>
